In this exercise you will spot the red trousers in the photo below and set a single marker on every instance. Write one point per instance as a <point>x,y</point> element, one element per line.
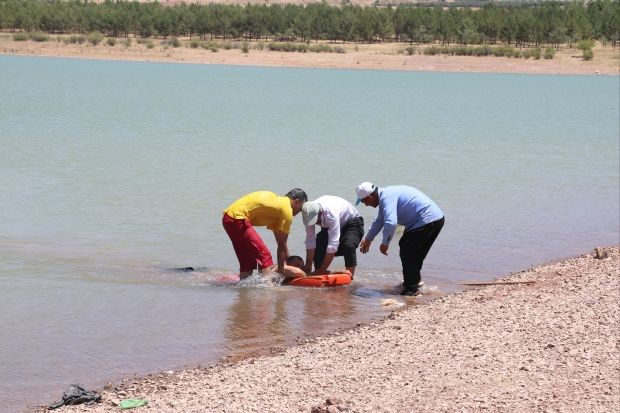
<point>249,247</point>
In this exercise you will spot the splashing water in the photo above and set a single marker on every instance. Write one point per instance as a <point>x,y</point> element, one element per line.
<point>431,290</point>
<point>270,280</point>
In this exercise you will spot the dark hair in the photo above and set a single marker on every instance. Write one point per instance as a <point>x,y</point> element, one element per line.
<point>297,193</point>
<point>293,257</point>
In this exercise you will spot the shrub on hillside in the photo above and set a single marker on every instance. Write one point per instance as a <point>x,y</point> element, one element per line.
<point>484,50</point>
<point>288,47</point>
<point>588,55</point>
<point>20,37</point>
<point>194,43</point>
<point>409,49</point>
<point>38,37</point>
<point>111,41</point>
<point>321,47</point>
<point>95,38</point>
<point>459,51</point>
<point>127,42</point>
<point>500,51</point>
<point>175,42</point>
<point>339,49</point>
<point>433,50</point>
<point>549,52</point>
<point>585,45</point>
<point>76,39</point>
<point>210,46</point>
<point>536,53</point>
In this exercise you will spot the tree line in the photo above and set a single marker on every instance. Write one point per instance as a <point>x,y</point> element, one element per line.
<point>523,25</point>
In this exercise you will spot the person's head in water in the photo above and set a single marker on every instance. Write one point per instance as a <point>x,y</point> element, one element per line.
<point>298,197</point>
<point>295,261</point>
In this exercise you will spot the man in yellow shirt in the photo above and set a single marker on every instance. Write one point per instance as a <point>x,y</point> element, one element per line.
<point>262,209</point>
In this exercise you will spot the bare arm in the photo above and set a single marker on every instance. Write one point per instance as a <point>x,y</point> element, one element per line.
<point>290,272</point>
<point>281,240</point>
<point>309,259</point>
<point>329,257</point>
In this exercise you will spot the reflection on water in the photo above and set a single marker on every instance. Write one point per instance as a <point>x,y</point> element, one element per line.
<point>260,318</point>
<point>140,318</point>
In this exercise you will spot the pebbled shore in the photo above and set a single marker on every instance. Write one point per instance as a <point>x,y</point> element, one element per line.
<point>552,346</point>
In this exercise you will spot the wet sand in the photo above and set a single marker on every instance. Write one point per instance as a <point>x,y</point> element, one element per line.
<point>551,346</point>
<point>384,56</point>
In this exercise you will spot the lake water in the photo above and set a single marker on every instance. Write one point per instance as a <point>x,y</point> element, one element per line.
<point>113,172</point>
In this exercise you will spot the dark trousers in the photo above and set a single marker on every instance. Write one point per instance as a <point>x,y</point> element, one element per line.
<point>414,245</point>
<point>351,235</point>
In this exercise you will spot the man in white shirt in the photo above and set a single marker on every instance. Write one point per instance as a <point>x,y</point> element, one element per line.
<point>342,229</point>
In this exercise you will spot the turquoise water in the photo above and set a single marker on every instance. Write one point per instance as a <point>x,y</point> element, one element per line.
<point>112,172</point>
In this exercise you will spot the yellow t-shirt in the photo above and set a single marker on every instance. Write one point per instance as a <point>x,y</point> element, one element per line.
<point>264,208</point>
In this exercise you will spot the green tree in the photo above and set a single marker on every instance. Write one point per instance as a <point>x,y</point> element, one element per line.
<point>447,27</point>
<point>558,36</point>
<point>347,23</point>
<point>508,32</point>
<point>364,28</point>
<point>468,33</point>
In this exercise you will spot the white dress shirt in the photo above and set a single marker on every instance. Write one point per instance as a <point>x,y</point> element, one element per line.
<point>336,213</point>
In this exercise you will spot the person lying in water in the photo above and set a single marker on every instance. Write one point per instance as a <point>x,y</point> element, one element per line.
<point>294,268</point>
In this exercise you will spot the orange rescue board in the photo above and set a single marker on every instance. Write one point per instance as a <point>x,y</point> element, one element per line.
<point>329,280</point>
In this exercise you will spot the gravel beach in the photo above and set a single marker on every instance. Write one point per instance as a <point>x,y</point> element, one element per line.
<point>551,346</point>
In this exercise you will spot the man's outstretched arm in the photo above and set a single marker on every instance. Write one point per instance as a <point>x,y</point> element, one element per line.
<point>282,254</point>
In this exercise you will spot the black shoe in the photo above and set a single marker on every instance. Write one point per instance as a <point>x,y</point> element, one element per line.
<point>410,292</point>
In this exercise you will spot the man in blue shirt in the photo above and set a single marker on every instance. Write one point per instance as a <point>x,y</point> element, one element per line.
<point>421,218</point>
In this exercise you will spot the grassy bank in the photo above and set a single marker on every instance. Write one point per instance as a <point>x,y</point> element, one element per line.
<point>383,56</point>
<point>96,38</point>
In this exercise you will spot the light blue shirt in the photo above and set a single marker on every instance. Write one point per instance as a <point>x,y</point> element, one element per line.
<point>404,205</point>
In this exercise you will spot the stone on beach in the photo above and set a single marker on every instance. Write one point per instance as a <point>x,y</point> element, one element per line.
<point>390,302</point>
<point>601,253</point>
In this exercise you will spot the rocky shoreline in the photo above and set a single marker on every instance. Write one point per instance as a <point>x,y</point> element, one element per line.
<point>550,346</point>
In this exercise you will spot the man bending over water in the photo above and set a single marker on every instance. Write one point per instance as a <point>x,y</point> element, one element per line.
<point>342,229</point>
<point>261,209</point>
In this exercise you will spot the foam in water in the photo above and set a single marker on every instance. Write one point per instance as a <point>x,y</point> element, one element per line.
<point>430,289</point>
<point>271,280</point>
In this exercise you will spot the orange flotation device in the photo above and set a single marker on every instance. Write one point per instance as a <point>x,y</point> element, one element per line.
<point>329,280</point>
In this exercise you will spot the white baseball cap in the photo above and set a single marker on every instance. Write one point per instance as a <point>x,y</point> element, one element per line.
<point>310,213</point>
<point>365,189</point>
